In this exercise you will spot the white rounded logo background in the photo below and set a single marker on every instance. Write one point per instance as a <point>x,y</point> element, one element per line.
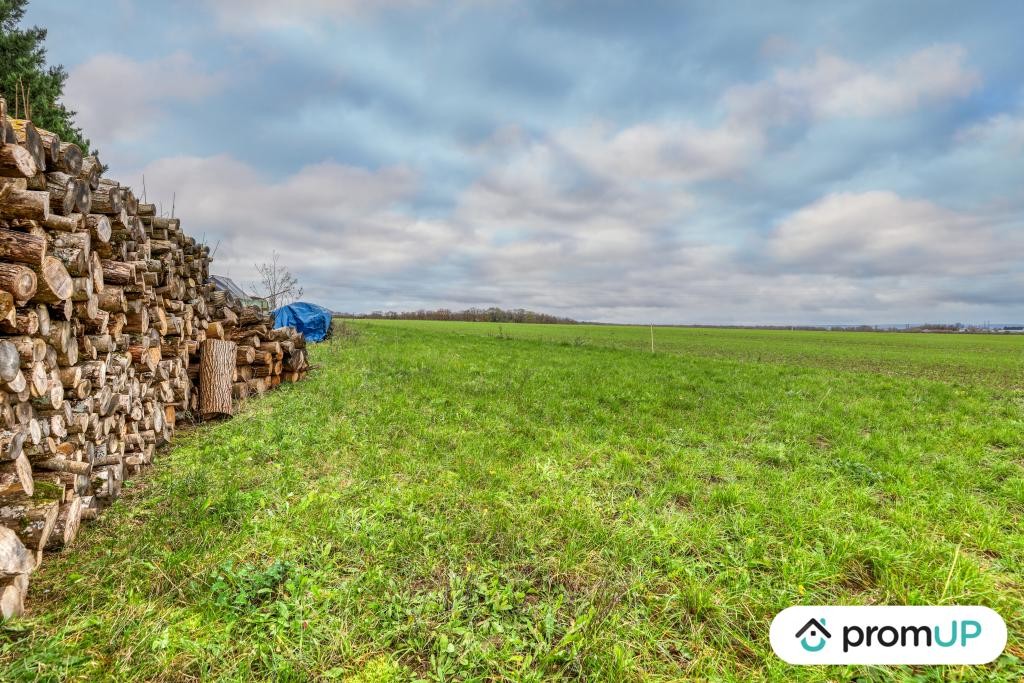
<point>825,630</point>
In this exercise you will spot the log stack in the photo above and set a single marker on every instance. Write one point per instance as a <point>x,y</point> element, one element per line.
<point>264,356</point>
<point>109,333</point>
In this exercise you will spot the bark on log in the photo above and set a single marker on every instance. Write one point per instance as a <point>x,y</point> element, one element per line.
<point>118,272</point>
<point>216,369</point>
<point>26,205</point>
<point>13,184</point>
<point>30,350</point>
<point>22,247</point>
<point>131,203</point>
<point>44,319</point>
<point>73,249</point>
<point>63,191</point>
<point>51,146</point>
<point>30,517</point>
<point>8,314</point>
<point>16,162</point>
<point>29,138</point>
<point>62,464</point>
<point>25,323</point>
<point>137,321</point>
<point>70,223</point>
<point>245,355</point>
<point>106,200</point>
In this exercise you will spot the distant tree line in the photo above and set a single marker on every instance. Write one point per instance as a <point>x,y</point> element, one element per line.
<point>940,328</point>
<point>473,315</point>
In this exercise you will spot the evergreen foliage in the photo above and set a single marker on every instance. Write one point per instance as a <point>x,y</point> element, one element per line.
<point>24,75</point>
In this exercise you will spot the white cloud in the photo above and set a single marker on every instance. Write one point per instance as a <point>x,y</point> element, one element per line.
<point>594,221</point>
<point>119,99</point>
<point>248,15</point>
<point>586,221</point>
<point>833,87</point>
<point>591,179</point>
<point>882,234</point>
<point>597,218</point>
<point>574,197</point>
<point>676,151</point>
<point>329,221</point>
<point>1004,132</point>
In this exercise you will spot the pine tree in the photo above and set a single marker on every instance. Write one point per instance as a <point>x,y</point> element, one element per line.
<point>23,71</point>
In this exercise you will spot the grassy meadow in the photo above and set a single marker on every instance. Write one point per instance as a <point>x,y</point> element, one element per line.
<point>459,501</point>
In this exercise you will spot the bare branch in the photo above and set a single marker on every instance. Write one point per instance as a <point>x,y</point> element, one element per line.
<point>276,286</point>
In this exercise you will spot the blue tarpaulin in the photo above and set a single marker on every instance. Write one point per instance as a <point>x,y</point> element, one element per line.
<point>311,320</point>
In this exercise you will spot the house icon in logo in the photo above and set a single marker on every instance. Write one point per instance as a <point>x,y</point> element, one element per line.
<point>817,630</point>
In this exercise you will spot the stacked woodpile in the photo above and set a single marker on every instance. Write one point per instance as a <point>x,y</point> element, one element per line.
<point>109,333</point>
<point>263,357</point>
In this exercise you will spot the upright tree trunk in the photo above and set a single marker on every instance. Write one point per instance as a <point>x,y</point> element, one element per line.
<point>216,372</point>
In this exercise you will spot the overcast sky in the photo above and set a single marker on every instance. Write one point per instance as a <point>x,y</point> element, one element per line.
<point>740,162</point>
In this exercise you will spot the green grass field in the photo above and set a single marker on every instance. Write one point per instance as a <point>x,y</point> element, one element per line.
<point>452,501</point>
